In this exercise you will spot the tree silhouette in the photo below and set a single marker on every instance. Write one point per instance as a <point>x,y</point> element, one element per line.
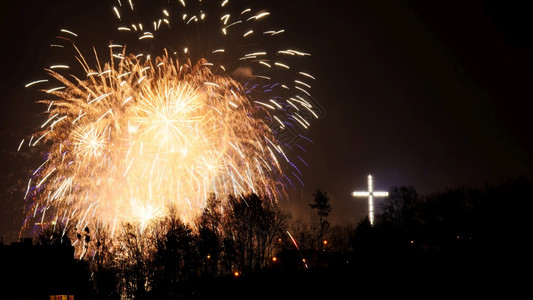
<point>399,208</point>
<point>415,238</point>
<point>401,213</point>
<point>102,265</point>
<point>321,204</point>
<point>175,257</point>
<point>133,261</point>
<point>209,237</point>
<point>254,224</point>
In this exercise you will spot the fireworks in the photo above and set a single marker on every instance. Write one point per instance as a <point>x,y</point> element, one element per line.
<point>142,131</point>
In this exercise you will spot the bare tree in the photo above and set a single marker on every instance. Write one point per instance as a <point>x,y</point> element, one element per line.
<point>399,208</point>
<point>254,224</point>
<point>132,261</point>
<point>102,264</point>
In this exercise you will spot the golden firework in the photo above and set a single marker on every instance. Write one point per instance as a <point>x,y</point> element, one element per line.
<point>139,134</point>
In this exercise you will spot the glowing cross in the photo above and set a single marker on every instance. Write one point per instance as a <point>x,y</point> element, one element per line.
<point>370,194</point>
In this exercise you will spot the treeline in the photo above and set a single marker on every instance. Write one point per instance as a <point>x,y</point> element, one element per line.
<point>486,219</point>
<point>235,237</point>
<point>241,236</point>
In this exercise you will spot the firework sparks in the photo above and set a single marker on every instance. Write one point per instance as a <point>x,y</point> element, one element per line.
<point>143,132</point>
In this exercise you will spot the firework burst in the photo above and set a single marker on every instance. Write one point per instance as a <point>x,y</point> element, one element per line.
<point>142,132</point>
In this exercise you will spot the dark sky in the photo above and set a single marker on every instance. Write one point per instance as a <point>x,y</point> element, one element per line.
<point>433,94</point>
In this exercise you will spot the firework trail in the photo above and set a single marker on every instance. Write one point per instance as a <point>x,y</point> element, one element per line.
<point>298,248</point>
<point>144,130</point>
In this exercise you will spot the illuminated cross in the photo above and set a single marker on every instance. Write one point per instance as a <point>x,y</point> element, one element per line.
<point>370,194</point>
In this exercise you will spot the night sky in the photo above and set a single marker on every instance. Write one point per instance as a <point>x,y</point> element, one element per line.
<point>433,94</point>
